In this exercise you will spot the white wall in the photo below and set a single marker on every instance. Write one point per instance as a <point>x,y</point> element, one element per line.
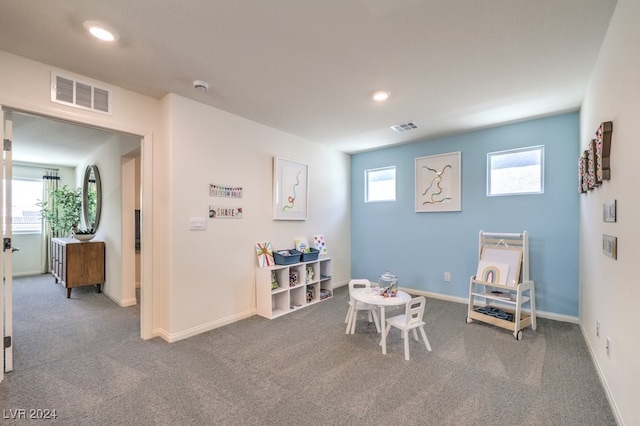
<point>212,271</point>
<point>609,288</point>
<point>108,159</point>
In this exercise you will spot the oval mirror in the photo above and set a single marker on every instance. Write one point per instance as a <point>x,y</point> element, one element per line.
<point>91,197</point>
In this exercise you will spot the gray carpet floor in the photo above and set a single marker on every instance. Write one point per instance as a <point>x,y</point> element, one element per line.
<point>83,358</point>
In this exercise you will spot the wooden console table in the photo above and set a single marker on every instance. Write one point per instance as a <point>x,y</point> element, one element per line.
<point>77,263</point>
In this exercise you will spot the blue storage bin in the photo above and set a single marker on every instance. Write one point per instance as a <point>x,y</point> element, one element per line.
<point>312,255</point>
<point>291,258</point>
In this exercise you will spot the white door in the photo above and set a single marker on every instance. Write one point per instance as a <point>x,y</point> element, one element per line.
<point>6,270</point>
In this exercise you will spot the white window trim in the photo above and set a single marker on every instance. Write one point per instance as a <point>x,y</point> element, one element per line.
<point>512,151</point>
<point>366,184</point>
<point>15,229</point>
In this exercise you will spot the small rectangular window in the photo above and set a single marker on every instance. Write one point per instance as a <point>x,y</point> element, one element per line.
<point>380,184</point>
<point>516,171</point>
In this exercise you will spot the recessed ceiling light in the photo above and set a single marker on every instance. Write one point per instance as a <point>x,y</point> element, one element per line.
<point>380,95</point>
<point>101,31</point>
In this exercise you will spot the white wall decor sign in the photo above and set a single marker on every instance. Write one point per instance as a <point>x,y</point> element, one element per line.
<point>225,212</point>
<point>225,191</point>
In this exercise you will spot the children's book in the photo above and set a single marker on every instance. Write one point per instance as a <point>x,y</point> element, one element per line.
<point>319,243</point>
<point>302,245</point>
<point>265,254</point>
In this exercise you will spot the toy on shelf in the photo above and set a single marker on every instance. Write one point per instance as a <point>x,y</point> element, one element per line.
<point>293,278</point>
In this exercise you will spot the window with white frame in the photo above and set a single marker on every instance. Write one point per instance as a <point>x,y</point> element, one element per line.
<point>516,171</point>
<point>380,184</point>
<point>25,213</point>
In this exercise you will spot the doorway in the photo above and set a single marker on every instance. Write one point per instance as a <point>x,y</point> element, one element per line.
<point>37,140</point>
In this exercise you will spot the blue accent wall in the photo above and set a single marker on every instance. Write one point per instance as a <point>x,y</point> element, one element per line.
<point>420,247</point>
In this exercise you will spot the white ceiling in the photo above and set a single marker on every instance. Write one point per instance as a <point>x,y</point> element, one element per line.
<point>308,67</point>
<point>46,141</point>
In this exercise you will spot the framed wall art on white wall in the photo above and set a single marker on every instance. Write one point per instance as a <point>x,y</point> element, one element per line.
<point>290,187</point>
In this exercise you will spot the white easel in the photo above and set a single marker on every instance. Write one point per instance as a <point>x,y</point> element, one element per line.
<point>507,299</point>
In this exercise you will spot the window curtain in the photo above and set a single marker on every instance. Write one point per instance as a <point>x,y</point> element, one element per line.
<point>50,182</point>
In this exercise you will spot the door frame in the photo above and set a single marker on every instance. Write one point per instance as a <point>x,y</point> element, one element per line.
<point>6,257</point>
<point>146,197</point>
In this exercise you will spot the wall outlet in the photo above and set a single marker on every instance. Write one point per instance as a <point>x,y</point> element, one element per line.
<point>447,276</point>
<point>597,328</point>
<point>608,347</point>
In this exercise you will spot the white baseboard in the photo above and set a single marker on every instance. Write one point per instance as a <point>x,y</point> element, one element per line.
<point>28,274</point>
<point>123,303</point>
<point>337,285</point>
<point>174,337</point>
<point>465,301</point>
<point>128,302</point>
<point>603,381</point>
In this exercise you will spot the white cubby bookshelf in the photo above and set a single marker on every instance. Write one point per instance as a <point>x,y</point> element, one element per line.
<point>272,303</point>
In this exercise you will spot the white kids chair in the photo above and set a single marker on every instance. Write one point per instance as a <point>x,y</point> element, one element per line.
<point>355,306</point>
<point>411,320</point>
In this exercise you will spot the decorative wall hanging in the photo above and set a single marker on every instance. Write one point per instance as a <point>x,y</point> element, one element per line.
<point>225,212</point>
<point>225,191</point>
<point>610,246</point>
<point>609,211</point>
<point>582,174</point>
<point>594,164</point>
<point>591,165</point>
<point>290,188</point>
<point>603,151</point>
<point>585,176</point>
<point>438,183</point>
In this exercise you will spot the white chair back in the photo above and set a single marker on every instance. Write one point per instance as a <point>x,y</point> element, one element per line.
<point>358,283</point>
<point>415,311</point>
<point>355,306</point>
<point>411,320</point>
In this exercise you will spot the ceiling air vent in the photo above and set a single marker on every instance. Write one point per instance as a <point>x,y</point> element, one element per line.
<point>403,127</point>
<point>81,95</point>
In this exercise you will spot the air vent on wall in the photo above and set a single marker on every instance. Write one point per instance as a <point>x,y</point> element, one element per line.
<point>81,95</point>
<point>403,127</point>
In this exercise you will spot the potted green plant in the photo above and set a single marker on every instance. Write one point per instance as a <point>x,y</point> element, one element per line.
<point>62,211</point>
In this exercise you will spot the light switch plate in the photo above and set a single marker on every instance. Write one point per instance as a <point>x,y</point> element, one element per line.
<point>197,223</point>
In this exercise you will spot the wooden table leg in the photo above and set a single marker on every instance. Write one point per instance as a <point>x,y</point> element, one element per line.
<point>68,292</point>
